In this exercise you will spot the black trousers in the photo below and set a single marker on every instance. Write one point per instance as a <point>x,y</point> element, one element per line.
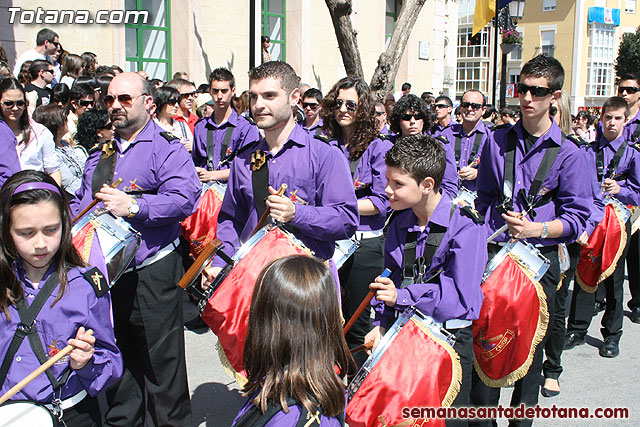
<point>355,276</point>
<point>526,390</point>
<point>464,348</point>
<point>147,311</point>
<point>85,413</point>
<point>552,367</point>
<point>633,270</point>
<point>582,303</point>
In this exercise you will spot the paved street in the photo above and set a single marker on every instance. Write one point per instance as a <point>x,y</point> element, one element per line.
<point>588,380</point>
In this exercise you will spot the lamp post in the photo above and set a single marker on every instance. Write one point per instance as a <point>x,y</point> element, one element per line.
<point>507,18</point>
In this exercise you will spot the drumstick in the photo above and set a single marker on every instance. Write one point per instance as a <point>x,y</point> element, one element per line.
<point>94,202</point>
<point>365,346</point>
<point>46,365</point>
<point>504,228</point>
<point>266,213</point>
<point>195,268</point>
<point>365,302</point>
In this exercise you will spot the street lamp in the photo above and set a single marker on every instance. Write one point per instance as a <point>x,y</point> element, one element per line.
<point>508,18</point>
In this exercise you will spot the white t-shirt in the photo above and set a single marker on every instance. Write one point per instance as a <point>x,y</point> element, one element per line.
<point>30,55</point>
<point>179,129</point>
<point>40,153</point>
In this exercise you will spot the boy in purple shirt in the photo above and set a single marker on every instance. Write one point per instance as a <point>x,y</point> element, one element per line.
<point>430,235</point>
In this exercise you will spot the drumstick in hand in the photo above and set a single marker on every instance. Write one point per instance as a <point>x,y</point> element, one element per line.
<point>365,346</point>
<point>46,365</point>
<point>266,213</point>
<point>365,302</point>
<point>94,202</point>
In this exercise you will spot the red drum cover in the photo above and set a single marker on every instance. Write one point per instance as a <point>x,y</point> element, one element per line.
<point>200,228</point>
<point>227,311</point>
<point>599,258</point>
<point>417,370</point>
<point>87,244</point>
<point>513,320</point>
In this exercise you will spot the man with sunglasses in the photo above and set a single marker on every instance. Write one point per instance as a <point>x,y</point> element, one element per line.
<point>47,42</point>
<point>41,73</point>
<point>443,108</point>
<point>187,96</point>
<point>219,135</point>
<point>311,100</point>
<point>551,209</point>
<point>160,189</point>
<point>381,118</point>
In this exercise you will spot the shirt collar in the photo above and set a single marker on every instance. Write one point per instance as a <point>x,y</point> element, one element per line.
<point>441,215</point>
<point>480,127</point>
<point>615,144</point>
<point>21,273</point>
<point>232,120</point>
<point>146,134</point>
<point>297,136</point>
<point>554,134</point>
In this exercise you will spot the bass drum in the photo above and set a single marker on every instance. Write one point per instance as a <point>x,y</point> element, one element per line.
<point>20,413</point>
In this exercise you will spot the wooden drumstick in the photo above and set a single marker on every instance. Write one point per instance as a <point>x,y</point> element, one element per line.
<point>46,365</point>
<point>94,202</point>
<point>365,302</point>
<point>266,213</point>
<point>194,270</point>
<point>365,346</point>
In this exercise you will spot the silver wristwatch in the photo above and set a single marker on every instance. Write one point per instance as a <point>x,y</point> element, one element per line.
<point>134,208</point>
<point>545,231</point>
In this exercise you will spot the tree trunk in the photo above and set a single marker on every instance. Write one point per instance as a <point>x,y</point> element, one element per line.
<point>389,61</point>
<point>340,11</point>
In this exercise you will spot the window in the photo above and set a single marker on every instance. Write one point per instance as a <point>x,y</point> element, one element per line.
<point>516,54</point>
<point>630,6</point>
<point>274,25</point>
<point>548,5</point>
<point>148,46</point>
<point>472,75</point>
<point>390,17</point>
<point>547,42</point>
<point>466,10</point>
<point>601,59</point>
<point>468,50</point>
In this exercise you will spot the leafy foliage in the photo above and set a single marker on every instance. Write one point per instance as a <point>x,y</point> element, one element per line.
<point>629,54</point>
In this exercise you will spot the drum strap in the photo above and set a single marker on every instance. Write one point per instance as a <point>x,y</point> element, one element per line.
<point>103,173</point>
<point>260,181</point>
<point>548,159</point>
<point>613,164</point>
<point>255,418</point>
<point>636,135</point>
<point>223,149</point>
<point>27,328</point>
<point>474,148</point>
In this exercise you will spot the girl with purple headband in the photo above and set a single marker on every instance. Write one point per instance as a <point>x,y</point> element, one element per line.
<point>48,299</point>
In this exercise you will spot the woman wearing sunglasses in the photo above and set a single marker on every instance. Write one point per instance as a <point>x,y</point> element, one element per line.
<point>81,99</point>
<point>35,145</point>
<point>167,100</point>
<point>348,115</point>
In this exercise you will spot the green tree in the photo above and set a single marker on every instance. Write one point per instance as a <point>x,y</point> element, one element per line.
<point>629,54</point>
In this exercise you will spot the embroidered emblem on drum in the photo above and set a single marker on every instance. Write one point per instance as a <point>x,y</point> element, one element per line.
<point>491,348</point>
<point>593,259</point>
<point>405,423</point>
<point>293,196</point>
<point>132,187</point>
<point>96,279</point>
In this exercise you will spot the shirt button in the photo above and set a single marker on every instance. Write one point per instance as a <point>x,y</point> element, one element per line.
<point>404,300</point>
<point>18,359</point>
<point>30,296</point>
<point>121,155</point>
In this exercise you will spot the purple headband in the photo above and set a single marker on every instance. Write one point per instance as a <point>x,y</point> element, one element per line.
<point>36,186</point>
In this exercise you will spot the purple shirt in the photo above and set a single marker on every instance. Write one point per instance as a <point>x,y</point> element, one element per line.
<point>282,419</point>
<point>627,173</point>
<point>9,163</point>
<point>631,127</point>
<point>314,129</point>
<point>369,181</point>
<point>454,131</point>
<point>319,183</point>
<point>162,173</point>
<point>79,306</point>
<point>462,254</point>
<point>572,201</point>
<point>243,133</point>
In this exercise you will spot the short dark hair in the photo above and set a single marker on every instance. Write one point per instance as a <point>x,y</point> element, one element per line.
<point>484,97</point>
<point>280,70</point>
<point>629,75</point>
<point>80,90</point>
<point>508,111</point>
<point>178,83</point>
<point>616,103</point>
<point>312,93</point>
<point>412,103</point>
<point>406,86</point>
<point>51,116</point>
<point>222,75</point>
<point>490,110</point>
<point>444,98</point>
<point>105,69</point>
<point>61,93</point>
<point>163,94</point>
<point>265,39</point>
<point>545,66</point>
<point>44,35</point>
<point>420,156</point>
<point>37,66</point>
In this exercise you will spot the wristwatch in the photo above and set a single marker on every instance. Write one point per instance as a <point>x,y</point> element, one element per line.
<point>545,231</point>
<point>134,208</point>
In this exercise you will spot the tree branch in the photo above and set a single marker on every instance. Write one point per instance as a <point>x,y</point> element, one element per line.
<point>340,11</point>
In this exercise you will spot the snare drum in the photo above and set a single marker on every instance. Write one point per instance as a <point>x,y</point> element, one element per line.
<point>200,228</point>
<point>106,241</point>
<point>228,299</point>
<point>20,413</point>
<point>514,317</point>
<point>344,250</point>
<point>391,380</point>
<point>465,197</point>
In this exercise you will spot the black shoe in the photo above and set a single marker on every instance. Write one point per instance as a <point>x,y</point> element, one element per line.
<point>572,340</point>
<point>195,324</point>
<point>635,315</point>
<point>610,348</point>
<point>598,307</point>
<point>550,393</point>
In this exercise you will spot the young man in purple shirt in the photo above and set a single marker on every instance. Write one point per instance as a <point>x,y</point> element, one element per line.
<point>311,105</point>
<point>319,205</point>
<point>159,189</point>
<point>448,239</point>
<point>618,173</point>
<point>223,132</point>
<point>561,199</point>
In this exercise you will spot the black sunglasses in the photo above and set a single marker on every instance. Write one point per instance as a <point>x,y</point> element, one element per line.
<point>56,44</point>
<point>472,105</point>
<point>86,103</point>
<point>108,125</point>
<point>416,116</point>
<point>312,105</point>
<point>10,104</point>
<point>47,71</point>
<point>351,105</point>
<point>186,95</point>
<point>535,90</point>
<point>173,101</point>
<point>629,89</point>
<point>379,113</point>
<point>442,106</point>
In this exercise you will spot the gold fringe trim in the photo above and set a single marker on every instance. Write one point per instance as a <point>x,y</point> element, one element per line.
<point>609,271</point>
<point>237,377</point>
<point>560,282</point>
<point>456,369</point>
<point>88,242</point>
<point>541,330</point>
